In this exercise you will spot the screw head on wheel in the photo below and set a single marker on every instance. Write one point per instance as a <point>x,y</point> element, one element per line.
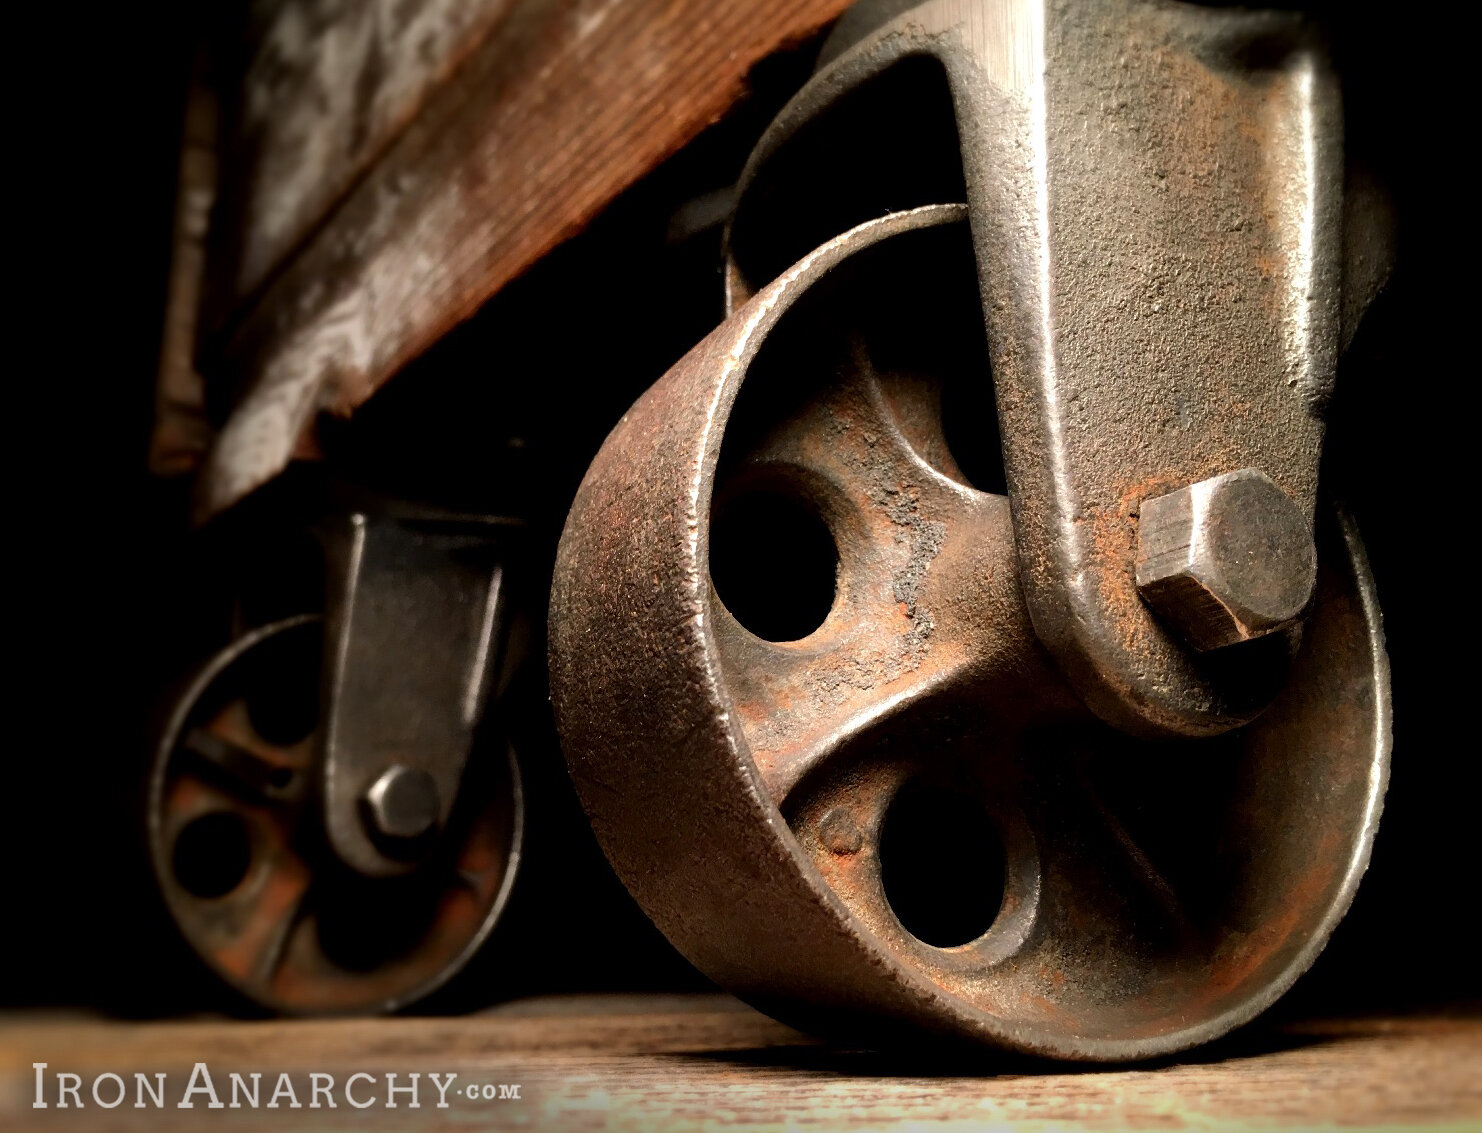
<point>401,804</point>
<point>1227,559</point>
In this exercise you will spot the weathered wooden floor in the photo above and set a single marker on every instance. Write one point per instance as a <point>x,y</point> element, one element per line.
<point>707,1062</point>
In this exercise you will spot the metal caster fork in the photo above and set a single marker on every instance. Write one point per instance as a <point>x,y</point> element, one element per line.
<point>333,825</point>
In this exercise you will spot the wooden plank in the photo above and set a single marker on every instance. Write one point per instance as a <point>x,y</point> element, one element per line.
<point>182,433</point>
<point>327,87</point>
<point>562,107</point>
<point>677,1062</point>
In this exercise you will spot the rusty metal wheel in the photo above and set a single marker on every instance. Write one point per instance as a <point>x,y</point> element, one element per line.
<point>242,860</point>
<point>809,717</point>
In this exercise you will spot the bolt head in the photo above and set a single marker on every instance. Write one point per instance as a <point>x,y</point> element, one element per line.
<point>839,833</point>
<point>401,804</point>
<point>1227,559</point>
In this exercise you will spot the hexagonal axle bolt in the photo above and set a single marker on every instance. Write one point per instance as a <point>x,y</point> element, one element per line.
<point>401,805</point>
<point>1227,559</point>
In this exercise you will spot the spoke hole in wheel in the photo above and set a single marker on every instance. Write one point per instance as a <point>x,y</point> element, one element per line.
<point>918,323</point>
<point>282,689</point>
<point>212,854</point>
<point>773,563</point>
<point>942,865</point>
<point>970,426</point>
<point>364,925</point>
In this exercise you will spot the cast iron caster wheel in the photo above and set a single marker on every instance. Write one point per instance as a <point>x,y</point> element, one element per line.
<point>241,857</point>
<point>815,732</point>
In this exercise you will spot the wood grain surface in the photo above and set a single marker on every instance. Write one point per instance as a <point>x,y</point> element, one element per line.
<point>327,87</point>
<point>697,1062</point>
<point>562,105</point>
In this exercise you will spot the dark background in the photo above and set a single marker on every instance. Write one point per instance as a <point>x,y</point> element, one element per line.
<point>103,567</point>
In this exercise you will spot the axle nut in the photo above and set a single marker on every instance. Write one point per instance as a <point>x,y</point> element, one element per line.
<point>401,804</point>
<point>1227,559</point>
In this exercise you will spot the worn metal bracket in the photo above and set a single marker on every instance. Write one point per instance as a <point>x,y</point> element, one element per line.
<point>413,635</point>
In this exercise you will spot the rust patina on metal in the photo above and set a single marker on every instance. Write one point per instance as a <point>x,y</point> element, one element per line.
<point>1151,895</point>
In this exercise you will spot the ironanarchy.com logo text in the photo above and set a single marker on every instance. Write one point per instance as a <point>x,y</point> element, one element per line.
<point>311,1090</point>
